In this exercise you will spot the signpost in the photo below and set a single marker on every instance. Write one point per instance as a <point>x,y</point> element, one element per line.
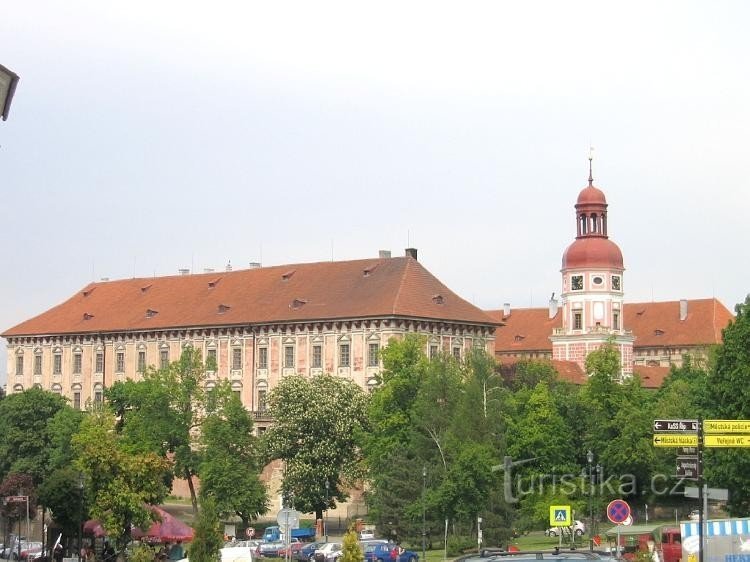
<point>687,467</point>
<point>676,425</point>
<point>560,516</point>
<point>726,426</point>
<point>675,440</point>
<point>618,511</point>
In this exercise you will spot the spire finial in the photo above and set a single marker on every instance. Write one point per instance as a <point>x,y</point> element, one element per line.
<point>591,158</point>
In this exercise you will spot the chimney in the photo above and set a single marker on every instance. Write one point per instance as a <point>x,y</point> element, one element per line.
<point>184,271</point>
<point>552,306</point>
<point>254,265</point>
<point>411,253</point>
<point>384,254</point>
<point>683,309</point>
<point>506,309</point>
<point>229,265</point>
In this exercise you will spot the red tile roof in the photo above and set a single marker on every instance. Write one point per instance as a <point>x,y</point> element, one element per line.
<point>651,377</point>
<point>568,371</point>
<point>654,324</point>
<point>379,287</point>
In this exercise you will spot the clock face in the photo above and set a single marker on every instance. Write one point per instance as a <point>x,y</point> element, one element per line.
<point>616,282</point>
<point>576,282</point>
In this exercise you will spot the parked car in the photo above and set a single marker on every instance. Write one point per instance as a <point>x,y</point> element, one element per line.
<point>291,550</point>
<point>330,551</point>
<point>307,552</point>
<point>269,549</point>
<point>577,527</point>
<point>694,515</point>
<point>381,552</point>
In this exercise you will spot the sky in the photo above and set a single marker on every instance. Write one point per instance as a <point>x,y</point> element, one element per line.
<point>149,136</point>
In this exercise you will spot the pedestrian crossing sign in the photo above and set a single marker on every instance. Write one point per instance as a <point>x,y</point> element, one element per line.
<point>560,516</point>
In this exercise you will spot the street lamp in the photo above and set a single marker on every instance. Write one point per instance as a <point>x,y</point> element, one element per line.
<point>590,459</point>
<point>8,81</point>
<point>325,517</point>
<point>80,513</point>
<point>424,528</point>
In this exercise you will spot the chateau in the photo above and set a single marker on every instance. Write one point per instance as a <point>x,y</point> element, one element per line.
<point>257,325</point>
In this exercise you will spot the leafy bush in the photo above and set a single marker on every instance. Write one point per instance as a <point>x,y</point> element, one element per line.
<point>459,544</point>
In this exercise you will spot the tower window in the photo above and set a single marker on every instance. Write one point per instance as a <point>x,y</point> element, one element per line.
<point>576,282</point>
<point>577,321</point>
<point>616,285</point>
<point>615,320</point>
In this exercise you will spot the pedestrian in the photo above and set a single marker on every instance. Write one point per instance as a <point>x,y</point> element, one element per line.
<point>394,553</point>
<point>176,552</point>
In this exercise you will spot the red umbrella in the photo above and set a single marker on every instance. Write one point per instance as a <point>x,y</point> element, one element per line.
<point>169,529</point>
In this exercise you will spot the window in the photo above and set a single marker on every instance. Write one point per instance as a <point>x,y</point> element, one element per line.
<point>577,321</point>
<point>576,282</point>
<point>38,364</point>
<point>373,358</point>
<point>98,396</point>
<point>77,363</point>
<point>288,356</point>
<point>262,358</point>
<point>163,358</point>
<point>77,400</point>
<point>57,364</point>
<point>616,285</point>
<point>141,361</point>
<point>344,357</point>
<point>211,363</point>
<point>615,320</point>
<point>236,358</point>
<point>120,362</point>
<point>433,351</point>
<point>19,365</point>
<point>317,356</point>
<point>99,362</point>
<point>262,401</point>
<point>457,352</point>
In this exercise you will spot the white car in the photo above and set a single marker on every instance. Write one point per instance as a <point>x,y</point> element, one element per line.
<point>331,551</point>
<point>365,535</point>
<point>577,527</point>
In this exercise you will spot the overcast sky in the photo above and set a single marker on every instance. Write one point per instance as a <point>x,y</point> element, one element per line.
<point>147,136</point>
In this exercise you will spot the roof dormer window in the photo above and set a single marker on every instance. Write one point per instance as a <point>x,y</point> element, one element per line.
<point>150,313</point>
<point>438,299</point>
<point>223,308</point>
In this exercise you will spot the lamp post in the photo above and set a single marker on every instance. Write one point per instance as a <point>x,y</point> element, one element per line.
<point>590,459</point>
<point>424,527</point>
<point>8,81</point>
<point>325,516</point>
<point>80,513</point>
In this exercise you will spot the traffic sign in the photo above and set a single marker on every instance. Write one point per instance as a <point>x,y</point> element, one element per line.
<point>16,499</point>
<point>726,426</point>
<point>560,516</point>
<point>676,425</point>
<point>618,511</point>
<point>288,518</point>
<point>726,440</point>
<point>718,494</point>
<point>675,440</point>
<point>687,467</point>
<point>688,452</point>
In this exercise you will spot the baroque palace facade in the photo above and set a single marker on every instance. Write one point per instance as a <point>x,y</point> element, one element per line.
<point>257,325</point>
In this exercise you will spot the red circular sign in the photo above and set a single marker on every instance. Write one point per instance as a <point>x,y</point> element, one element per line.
<point>618,511</point>
<point>250,532</point>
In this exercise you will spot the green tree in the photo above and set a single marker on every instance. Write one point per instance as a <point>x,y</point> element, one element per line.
<point>60,492</point>
<point>208,536</point>
<point>119,483</point>
<point>351,550</point>
<point>315,423</point>
<point>26,438</point>
<point>231,466</point>
<point>728,397</point>
<point>163,413</point>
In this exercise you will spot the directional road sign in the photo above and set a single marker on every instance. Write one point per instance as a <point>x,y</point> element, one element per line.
<point>687,467</point>
<point>675,440</point>
<point>726,426</point>
<point>726,440</point>
<point>560,516</point>
<point>618,511</point>
<point>688,452</point>
<point>16,499</point>
<point>676,425</point>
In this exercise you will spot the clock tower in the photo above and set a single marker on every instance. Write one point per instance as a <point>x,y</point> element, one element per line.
<point>592,287</point>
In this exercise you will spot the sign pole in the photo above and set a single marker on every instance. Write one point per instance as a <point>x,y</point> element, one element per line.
<point>700,490</point>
